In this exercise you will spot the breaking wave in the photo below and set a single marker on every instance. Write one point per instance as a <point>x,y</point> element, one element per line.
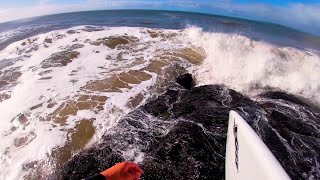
<point>60,91</point>
<point>252,66</point>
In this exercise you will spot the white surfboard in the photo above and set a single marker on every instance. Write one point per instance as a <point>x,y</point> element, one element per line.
<point>247,157</point>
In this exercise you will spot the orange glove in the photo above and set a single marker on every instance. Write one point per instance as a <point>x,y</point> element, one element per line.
<point>123,171</point>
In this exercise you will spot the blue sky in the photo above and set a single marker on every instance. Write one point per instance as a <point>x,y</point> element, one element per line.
<point>300,14</point>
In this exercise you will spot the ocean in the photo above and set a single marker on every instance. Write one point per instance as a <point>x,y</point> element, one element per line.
<point>68,79</point>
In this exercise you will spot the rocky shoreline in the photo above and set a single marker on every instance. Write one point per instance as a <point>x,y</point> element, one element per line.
<point>182,134</point>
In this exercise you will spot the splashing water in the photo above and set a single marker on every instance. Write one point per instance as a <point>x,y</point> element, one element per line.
<point>61,90</point>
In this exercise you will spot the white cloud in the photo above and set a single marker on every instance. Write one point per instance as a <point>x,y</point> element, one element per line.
<point>45,7</point>
<point>38,10</point>
<point>305,17</point>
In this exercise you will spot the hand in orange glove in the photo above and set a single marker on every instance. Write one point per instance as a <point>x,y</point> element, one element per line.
<point>123,171</point>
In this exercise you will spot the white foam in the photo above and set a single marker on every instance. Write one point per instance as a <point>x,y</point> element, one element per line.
<point>31,91</point>
<point>233,60</point>
<point>242,63</point>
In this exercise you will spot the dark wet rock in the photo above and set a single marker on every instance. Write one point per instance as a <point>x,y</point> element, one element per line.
<point>59,59</point>
<point>72,47</point>
<point>45,72</point>
<point>3,84</point>
<point>33,48</point>
<point>32,40</point>
<point>161,34</point>
<point>182,135</point>
<point>60,36</point>
<point>95,160</point>
<point>22,119</point>
<point>92,29</point>
<point>45,78</point>
<point>36,106</point>
<point>73,72</point>
<point>185,153</point>
<point>28,46</point>
<point>33,68</point>
<point>185,80</point>
<point>176,144</point>
<point>48,40</point>
<point>4,96</point>
<point>160,106</point>
<point>71,31</point>
<point>9,77</point>
<point>298,126</point>
<point>278,95</point>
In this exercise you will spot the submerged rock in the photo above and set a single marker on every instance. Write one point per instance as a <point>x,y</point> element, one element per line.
<point>59,59</point>
<point>9,77</point>
<point>71,31</point>
<point>162,35</point>
<point>182,135</point>
<point>194,55</point>
<point>62,58</point>
<point>4,96</point>
<point>92,28</point>
<point>48,40</point>
<point>113,41</point>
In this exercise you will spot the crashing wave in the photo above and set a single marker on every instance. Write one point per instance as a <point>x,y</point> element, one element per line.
<point>62,90</point>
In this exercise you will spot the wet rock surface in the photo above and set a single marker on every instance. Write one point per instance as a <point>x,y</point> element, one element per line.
<point>113,41</point>
<point>185,80</point>
<point>182,135</point>
<point>48,40</point>
<point>91,29</point>
<point>9,77</point>
<point>59,59</point>
<point>4,96</point>
<point>62,58</point>
<point>161,35</point>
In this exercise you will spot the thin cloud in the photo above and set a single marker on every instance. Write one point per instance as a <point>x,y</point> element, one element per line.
<point>305,17</point>
<point>184,3</point>
<point>45,7</point>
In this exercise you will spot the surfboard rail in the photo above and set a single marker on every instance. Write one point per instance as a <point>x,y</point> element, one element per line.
<point>247,157</point>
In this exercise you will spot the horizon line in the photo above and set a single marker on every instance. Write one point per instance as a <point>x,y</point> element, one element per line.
<point>169,10</point>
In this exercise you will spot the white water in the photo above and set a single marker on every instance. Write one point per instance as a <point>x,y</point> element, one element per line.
<point>31,91</point>
<point>242,63</point>
<point>233,60</point>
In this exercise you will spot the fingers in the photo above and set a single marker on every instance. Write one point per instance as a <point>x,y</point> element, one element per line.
<point>136,176</point>
<point>132,167</point>
<point>134,170</point>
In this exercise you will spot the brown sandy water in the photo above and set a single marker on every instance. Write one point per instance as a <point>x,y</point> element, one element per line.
<point>88,80</point>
